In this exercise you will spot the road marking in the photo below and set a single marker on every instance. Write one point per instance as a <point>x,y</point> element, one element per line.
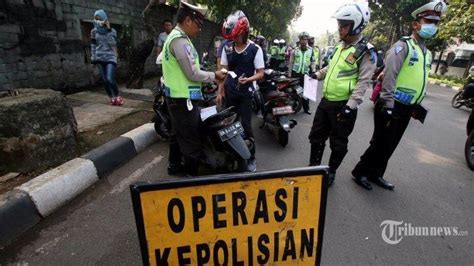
<point>135,175</point>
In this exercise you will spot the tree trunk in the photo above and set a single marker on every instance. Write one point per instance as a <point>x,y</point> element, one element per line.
<point>142,51</point>
<point>469,65</point>
<point>439,58</point>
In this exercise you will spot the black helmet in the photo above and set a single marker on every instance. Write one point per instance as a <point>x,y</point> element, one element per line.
<point>260,40</point>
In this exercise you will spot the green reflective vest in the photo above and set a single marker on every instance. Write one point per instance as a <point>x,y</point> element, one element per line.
<point>282,53</point>
<point>316,55</point>
<point>342,75</point>
<point>177,85</point>
<point>274,51</point>
<point>413,75</point>
<point>302,60</point>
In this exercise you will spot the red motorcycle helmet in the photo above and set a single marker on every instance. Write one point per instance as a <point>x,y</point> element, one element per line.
<point>235,25</point>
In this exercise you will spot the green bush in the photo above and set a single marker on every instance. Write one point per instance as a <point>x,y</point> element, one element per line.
<point>449,80</point>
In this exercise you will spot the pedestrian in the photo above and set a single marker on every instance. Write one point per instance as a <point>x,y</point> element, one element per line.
<point>316,52</point>
<point>161,38</point>
<point>245,59</point>
<point>407,66</point>
<point>182,82</point>
<point>346,79</point>
<point>104,54</point>
<point>302,63</point>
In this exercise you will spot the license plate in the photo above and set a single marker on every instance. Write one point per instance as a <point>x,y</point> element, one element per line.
<point>282,110</point>
<point>299,90</point>
<point>230,131</point>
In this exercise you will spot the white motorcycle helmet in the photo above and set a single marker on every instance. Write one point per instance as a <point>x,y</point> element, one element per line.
<point>276,41</point>
<point>282,41</point>
<point>358,13</point>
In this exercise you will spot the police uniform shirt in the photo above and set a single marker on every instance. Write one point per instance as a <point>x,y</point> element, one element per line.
<point>366,71</point>
<point>393,63</point>
<point>183,51</point>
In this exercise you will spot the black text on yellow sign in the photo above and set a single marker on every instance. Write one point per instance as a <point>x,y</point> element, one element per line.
<point>264,218</point>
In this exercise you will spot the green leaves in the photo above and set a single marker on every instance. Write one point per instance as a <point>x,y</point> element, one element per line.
<point>269,18</point>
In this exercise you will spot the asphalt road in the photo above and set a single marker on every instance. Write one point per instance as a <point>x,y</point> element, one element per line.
<point>433,188</point>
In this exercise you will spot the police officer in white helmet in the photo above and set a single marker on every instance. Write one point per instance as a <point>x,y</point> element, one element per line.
<point>408,64</point>
<point>346,79</point>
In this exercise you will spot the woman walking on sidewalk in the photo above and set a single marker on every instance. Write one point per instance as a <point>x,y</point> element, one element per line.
<point>104,54</point>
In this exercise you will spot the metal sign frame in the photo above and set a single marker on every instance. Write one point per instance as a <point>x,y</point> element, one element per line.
<point>138,188</point>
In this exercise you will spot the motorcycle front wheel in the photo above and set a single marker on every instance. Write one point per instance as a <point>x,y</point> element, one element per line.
<point>283,137</point>
<point>160,128</point>
<point>455,101</point>
<point>469,150</point>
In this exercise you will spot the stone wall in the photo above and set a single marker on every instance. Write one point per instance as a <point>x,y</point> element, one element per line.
<point>45,43</point>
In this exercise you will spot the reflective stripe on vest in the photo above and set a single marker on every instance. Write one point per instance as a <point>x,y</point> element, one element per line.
<point>413,76</point>
<point>302,60</point>
<point>342,75</point>
<point>177,85</point>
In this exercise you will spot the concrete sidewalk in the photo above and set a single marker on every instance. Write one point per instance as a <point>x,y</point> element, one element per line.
<point>92,108</point>
<point>26,205</point>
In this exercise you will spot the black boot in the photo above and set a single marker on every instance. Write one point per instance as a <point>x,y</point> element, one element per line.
<point>174,158</point>
<point>191,167</point>
<point>306,106</point>
<point>363,182</point>
<point>332,177</point>
<point>317,151</point>
<point>379,181</point>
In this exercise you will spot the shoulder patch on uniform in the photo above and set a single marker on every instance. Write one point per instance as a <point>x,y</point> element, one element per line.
<point>188,48</point>
<point>398,49</point>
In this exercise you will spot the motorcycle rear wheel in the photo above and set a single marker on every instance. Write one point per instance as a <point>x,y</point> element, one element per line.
<point>296,102</point>
<point>469,150</point>
<point>455,100</point>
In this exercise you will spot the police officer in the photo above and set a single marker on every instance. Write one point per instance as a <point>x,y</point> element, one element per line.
<point>346,79</point>
<point>274,50</point>
<point>408,63</point>
<point>302,62</point>
<point>281,58</point>
<point>182,81</point>
<point>316,52</point>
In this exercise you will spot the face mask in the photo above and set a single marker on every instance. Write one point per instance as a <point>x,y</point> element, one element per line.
<point>427,31</point>
<point>99,22</point>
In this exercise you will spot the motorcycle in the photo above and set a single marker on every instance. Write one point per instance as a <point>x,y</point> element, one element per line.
<point>223,144</point>
<point>459,98</point>
<point>276,80</point>
<point>275,111</point>
<point>469,147</point>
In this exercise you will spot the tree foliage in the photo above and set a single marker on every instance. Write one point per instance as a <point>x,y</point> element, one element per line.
<point>269,18</point>
<point>458,22</point>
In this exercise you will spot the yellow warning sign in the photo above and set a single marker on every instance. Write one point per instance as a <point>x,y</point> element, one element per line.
<point>253,219</point>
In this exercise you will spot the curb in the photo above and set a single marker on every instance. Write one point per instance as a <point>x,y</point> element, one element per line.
<point>444,85</point>
<point>26,205</point>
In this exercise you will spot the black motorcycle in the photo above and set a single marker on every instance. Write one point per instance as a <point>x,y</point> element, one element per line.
<point>223,144</point>
<point>469,147</point>
<point>275,110</point>
<point>276,80</point>
<point>465,96</point>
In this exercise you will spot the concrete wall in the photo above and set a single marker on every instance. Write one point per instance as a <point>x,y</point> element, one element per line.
<point>45,43</point>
